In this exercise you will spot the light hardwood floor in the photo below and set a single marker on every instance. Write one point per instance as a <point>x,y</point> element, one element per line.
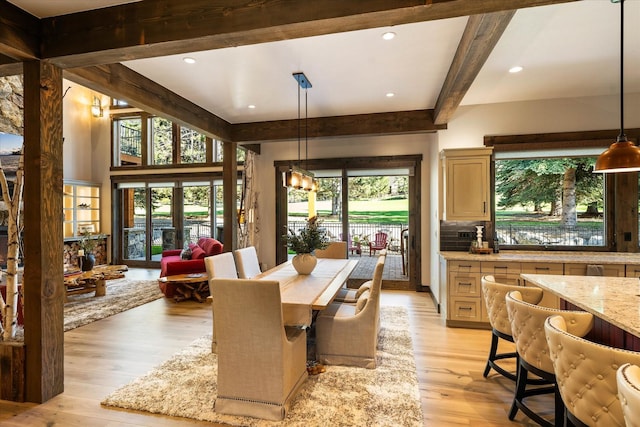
<point>106,354</point>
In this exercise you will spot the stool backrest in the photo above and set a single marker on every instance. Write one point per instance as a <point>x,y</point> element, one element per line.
<point>494,295</point>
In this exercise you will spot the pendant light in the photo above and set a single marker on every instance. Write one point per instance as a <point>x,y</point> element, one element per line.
<point>296,176</point>
<point>623,155</point>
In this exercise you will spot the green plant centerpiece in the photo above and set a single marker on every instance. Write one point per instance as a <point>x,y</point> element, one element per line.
<point>304,243</point>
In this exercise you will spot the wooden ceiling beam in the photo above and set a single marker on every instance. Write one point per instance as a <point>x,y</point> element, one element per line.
<point>478,40</point>
<point>118,81</point>
<point>19,33</point>
<point>165,27</point>
<point>322,127</point>
<point>9,66</point>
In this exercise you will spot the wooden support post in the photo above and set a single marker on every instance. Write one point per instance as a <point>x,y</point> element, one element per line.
<point>230,195</point>
<point>43,278</point>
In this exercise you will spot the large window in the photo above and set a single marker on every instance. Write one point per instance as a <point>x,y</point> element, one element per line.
<point>550,202</point>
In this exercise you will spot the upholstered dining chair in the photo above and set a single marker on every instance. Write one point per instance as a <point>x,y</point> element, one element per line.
<point>628,379</point>
<point>586,374</point>
<point>335,250</point>
<point>247,262</point>
<point>347,334</point>
<point>261,364</point>
<point>494,294</point>
<point>220,266</point>
<point>351,295</point>
<point>527,328</point>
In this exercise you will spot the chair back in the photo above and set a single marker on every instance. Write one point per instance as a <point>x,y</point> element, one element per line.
<point>494,294</point>
<point>628,378</point>
<point>222,265</point>
<point>335,250</point>
<point>247,262</point>
<point>527,329</point>
<point>259,366</point>
<point>380,239</point>
<point>586,374</point>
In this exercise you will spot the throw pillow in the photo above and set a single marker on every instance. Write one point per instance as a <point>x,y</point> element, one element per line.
<point>197,253</point>
<point>185,254</point>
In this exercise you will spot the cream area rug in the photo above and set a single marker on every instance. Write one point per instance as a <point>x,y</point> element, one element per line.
<point>122,295</point>
<point>185,386</point>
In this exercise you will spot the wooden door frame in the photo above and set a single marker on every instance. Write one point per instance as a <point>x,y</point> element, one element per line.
<point>412,162</point>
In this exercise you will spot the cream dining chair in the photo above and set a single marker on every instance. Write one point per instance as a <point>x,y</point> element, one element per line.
<point>247,262</point>
<point>220,266</point>
<point>351,295</point>
<point>335,250</point>
<point>347,334</point>
<point>586,374</point>
<point>261,364</point>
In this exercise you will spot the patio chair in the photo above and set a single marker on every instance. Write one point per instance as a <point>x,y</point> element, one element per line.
<point>379,243</point>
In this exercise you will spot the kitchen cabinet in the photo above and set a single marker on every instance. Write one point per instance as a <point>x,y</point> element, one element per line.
<point>466,184</point>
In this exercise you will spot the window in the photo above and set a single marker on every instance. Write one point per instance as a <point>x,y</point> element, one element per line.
<point>127,133</point>
<point>161,139</point>
<point>549,202</point>
<point>193,146</point>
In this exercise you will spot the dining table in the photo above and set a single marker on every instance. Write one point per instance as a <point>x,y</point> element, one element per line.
<point>301,294</point>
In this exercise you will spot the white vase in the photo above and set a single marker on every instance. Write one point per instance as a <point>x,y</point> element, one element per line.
<point>304,263</point>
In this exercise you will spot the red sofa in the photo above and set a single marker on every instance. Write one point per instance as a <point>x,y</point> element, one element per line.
<point>171,264</point>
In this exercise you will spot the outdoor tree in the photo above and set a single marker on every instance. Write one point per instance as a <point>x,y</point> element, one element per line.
<point>564,182</point>
<point>13,202</point>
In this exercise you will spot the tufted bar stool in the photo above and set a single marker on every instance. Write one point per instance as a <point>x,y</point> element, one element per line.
<point>527,328</point>
<point>494,294</point>
<point>628,378</point>
<point>586,374</point>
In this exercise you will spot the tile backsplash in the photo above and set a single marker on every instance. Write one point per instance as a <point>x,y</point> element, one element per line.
<point>457,235</point>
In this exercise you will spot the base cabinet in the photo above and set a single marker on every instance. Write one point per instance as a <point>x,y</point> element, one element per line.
<point>465,303</point>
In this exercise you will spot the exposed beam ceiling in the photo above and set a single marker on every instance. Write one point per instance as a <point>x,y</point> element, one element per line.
<point>480,37</point>
<point>19,33</point>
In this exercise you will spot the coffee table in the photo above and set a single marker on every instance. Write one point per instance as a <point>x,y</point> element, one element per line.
<point>94,280</point>
<point>188,286</point>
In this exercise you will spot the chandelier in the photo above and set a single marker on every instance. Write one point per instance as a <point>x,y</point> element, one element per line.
<point>297,177</point>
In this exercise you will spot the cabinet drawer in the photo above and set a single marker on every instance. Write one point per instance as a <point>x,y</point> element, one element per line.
<point>465,266</point>
<point>632,270</point>
<point>464,285</point>
<point>542,268</point>
<point>508,279</point>
<point>501,268</point>
<point>610,270</point>
<point>465,309</point>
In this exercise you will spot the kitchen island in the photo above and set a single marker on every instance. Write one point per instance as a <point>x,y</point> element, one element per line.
<point>614,301</point>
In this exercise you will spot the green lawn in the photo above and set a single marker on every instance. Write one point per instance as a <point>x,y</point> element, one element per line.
<point>367,212</point>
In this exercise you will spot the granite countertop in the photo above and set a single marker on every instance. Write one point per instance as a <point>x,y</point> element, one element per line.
<point>550,256</point>
<point>613,299</point>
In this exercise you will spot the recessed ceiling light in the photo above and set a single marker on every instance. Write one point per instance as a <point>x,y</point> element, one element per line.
<point>515,69</point>
<point>189,60</point>
<point>388,35</point>
<point>390,94</point>
<point>251,106</point>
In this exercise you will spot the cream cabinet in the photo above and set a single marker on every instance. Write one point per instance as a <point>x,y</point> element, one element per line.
<point>548,299</point>
<point>632,270</point>
<point>581,269</point>
<point>464,292</point>
<point>81,208</point>
<point>466,184</point>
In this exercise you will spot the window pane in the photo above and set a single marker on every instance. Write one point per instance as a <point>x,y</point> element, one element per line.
<point>549,202</point>
<point>128,141</point>
<point>193,147</point>
<point>197,212</point>
<point>161,146</point>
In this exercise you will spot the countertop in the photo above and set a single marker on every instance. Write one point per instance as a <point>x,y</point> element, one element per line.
<point>550,256</point>
<point>613,299</point>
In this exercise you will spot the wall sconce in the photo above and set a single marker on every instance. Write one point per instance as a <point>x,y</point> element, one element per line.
<point>96,107</point>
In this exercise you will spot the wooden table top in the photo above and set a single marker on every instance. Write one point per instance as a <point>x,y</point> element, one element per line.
<point>317,289</point>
